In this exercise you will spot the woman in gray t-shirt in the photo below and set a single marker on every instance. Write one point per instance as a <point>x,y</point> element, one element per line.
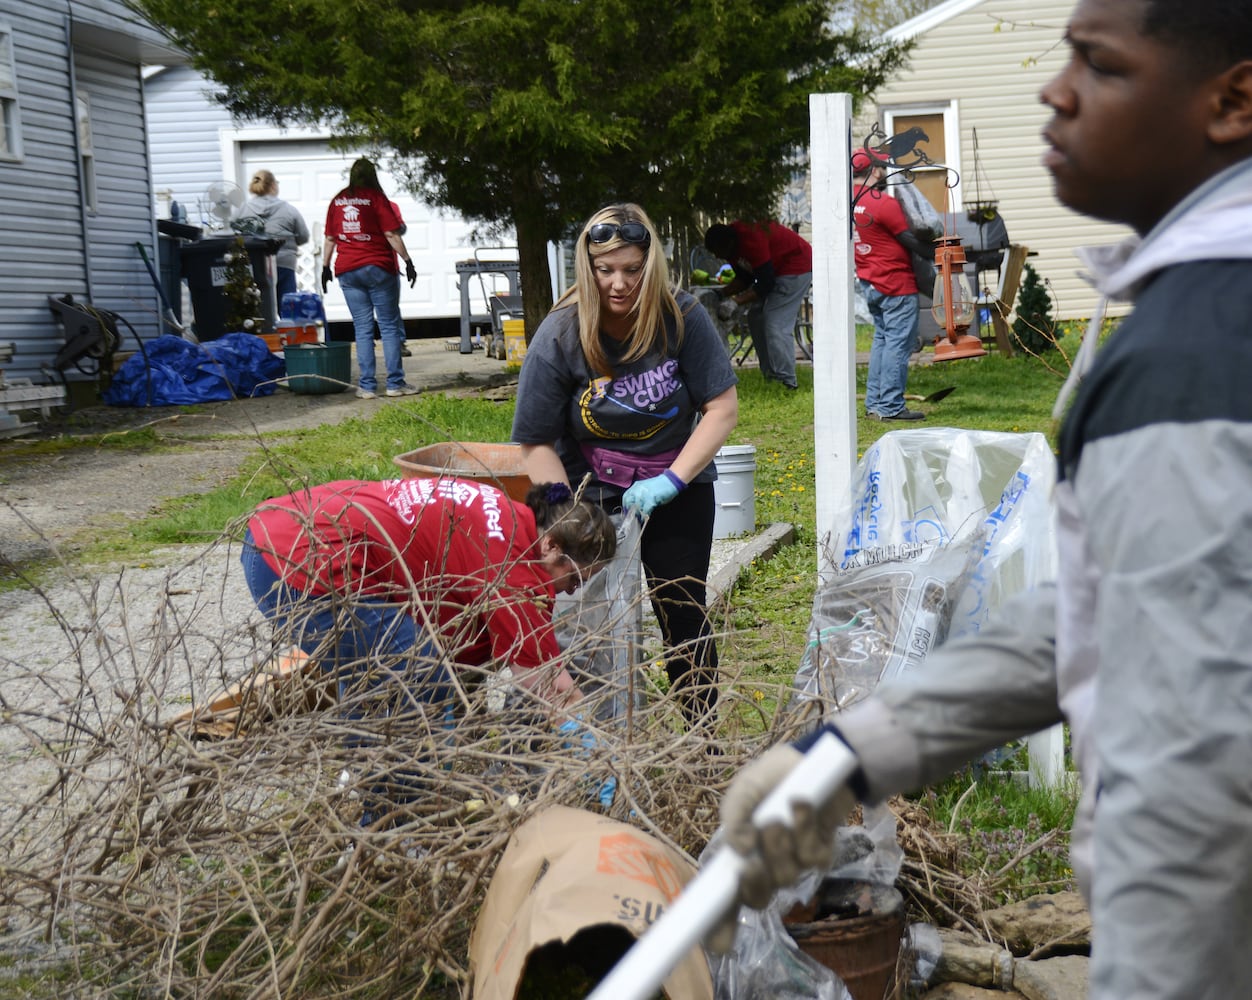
<point>628,382</point>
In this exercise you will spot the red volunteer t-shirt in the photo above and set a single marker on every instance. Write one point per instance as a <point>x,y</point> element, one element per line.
<point>787,250</point>
<point>357,219</point>
<point>881,259</point>
<point>461,551</point>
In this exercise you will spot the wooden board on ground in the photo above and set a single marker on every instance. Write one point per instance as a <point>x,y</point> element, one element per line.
<point>287,684</point>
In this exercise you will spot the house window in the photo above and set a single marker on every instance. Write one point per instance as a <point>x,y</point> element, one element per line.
<point>86,155</point>
<point>941,145</point>
<point>10,123</point>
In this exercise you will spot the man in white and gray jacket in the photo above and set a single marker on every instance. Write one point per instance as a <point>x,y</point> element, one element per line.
<point>1144,643</point>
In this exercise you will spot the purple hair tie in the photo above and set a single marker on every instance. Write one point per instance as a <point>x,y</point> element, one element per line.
<point>557,493</point>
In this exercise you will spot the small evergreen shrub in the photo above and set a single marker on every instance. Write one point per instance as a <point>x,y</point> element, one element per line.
<point>1034,329</point>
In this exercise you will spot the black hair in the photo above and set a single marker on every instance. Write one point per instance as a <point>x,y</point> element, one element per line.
<point>364,175</point>
<point>720,237</point>
<point>583,530</point>
<point>1210,35</point>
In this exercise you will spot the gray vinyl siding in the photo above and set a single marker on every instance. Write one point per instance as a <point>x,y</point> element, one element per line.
<point>184,125</point>
<point>123,217</point>
<point>992,59</point>
<point>40,222</point>
<point>52,246</point>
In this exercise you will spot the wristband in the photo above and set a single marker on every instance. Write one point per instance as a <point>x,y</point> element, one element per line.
<point>672,476</point>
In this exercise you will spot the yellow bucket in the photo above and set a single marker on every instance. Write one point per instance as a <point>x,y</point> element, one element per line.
<point>514,340</point>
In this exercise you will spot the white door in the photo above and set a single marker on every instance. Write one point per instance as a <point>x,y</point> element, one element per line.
<point>309,174</point>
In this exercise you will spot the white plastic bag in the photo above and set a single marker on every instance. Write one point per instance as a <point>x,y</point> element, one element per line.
<point>943,524</point>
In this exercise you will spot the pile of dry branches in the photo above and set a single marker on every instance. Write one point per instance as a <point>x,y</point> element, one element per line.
<point>192,859</point>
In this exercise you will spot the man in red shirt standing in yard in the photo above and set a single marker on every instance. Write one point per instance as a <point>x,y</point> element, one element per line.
<point>773,272</point>
<point>884,269</point>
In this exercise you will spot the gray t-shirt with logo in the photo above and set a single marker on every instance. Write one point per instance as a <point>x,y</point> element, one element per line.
<point>646,407</point>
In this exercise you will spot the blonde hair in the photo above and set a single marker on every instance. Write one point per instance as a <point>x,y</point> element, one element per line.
<point>655,300</point>
<point>263,182</point>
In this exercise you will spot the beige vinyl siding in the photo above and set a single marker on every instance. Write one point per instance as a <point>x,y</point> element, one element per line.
<point>991,60</point>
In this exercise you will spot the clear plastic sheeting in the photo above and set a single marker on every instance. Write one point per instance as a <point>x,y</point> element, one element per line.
<point>766,961</point>
<point>943,524</point>
<point>600,627</point>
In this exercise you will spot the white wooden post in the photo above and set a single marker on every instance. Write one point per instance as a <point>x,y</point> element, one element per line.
<point>1046,751</point>
<point>834,329</point>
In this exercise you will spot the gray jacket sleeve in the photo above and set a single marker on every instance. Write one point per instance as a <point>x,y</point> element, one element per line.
<point>971,695</point>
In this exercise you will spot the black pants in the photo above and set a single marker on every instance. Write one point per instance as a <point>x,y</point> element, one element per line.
<point>675,551</point>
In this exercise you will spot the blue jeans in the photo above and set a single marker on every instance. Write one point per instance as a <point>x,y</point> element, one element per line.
<point>370,292</point>
<point>895,336</point>
<point>285,283</point>
<point>772,324</point>
<point>381,663</point>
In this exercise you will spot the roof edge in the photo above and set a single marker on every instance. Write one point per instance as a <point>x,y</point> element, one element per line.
<point>926,20</point>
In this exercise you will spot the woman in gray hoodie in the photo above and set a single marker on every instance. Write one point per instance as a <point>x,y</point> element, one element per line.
<point>268,215</point>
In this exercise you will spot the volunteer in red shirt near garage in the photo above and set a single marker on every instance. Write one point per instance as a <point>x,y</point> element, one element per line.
<point>363,237</point>
<point>387,585</point>
<point>773,273</point>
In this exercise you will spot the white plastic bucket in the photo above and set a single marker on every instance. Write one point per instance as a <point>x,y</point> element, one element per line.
<point>734,490</point>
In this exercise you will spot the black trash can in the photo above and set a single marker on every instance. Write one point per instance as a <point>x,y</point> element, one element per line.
<point>172,236</point>
<point>170,254</point>
<point>204,267</point>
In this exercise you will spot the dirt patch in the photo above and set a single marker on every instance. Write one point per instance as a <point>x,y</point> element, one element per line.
<point>53,502</point>
<point>56,498</point>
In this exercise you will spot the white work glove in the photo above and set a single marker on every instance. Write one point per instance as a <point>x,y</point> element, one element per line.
<point>726,308</point>
<point>776,856</point>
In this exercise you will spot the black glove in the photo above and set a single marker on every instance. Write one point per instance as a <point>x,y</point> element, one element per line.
<point>410,272</point>
<point>327,277</point>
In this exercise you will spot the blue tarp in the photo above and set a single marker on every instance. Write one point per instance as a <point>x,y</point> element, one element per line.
<point>176,372</point>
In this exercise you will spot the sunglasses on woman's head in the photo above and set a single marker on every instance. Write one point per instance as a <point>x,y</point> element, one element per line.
<point>630,232</point>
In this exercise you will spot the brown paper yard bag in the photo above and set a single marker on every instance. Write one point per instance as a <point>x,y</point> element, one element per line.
<point>565,871</point>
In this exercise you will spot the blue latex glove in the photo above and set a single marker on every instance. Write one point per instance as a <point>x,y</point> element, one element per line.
<point>576,734</point>
<point>648,494</point>
<point>579,736</point>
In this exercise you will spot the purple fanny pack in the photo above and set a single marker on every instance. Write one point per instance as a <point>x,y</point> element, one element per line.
<point>622,468</point>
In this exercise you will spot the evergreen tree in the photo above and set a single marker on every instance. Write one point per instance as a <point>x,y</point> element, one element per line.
<point>1034,330</point>
<point>531,114</point>
<point>243,297</point>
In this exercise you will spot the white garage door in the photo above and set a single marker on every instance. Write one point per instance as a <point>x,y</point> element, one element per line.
<point>309,174</point>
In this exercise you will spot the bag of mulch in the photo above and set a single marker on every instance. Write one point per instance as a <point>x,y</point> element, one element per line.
<point>943,524</point>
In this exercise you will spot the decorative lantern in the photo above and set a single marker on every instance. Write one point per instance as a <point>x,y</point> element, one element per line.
<point>953,303</point>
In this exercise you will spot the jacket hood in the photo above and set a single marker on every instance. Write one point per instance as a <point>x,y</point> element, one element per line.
<point>1211,223</point>
<point>264,205</point>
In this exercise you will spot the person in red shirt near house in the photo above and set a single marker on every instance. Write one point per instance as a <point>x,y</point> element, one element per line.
<point>389,584</point>
<point>773,273</point>
<point>884,268</point>
<point>363,236</point>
